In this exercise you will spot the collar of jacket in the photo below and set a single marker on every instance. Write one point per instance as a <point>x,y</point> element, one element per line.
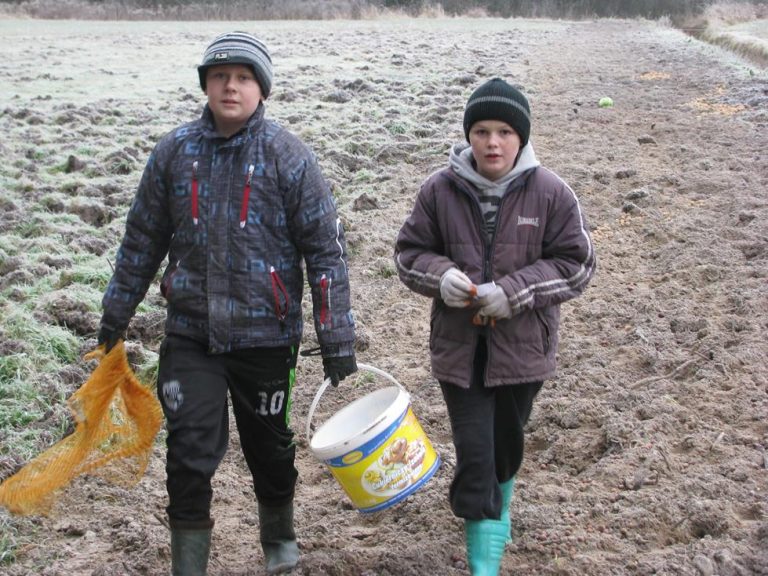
<point>462,161</point>
<point>251,126</point>
<point>469,187</point>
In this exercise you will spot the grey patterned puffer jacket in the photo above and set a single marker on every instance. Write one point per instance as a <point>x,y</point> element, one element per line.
<point>238,219</point>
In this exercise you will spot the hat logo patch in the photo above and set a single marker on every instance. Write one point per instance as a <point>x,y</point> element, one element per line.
<point>221,56</point>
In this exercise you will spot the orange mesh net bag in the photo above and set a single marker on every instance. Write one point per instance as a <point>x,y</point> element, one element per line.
<point>117,419</point>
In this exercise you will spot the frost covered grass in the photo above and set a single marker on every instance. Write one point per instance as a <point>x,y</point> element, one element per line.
<point>750,39</point>
<point>82,108</point>
<point>740,27</point>
<point>7,540</point>
<point>81,111</point>
<point>380,103</point>
<point>32,412</point>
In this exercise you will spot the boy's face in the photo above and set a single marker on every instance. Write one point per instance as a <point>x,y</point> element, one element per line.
<point>233,95</point>
<point>495,145</point>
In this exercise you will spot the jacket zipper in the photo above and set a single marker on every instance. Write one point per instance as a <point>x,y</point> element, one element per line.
<point>195,209</point>
<point>486,245</point>
<point>246,195</point>
<point>486,262</point>
<point>491,244</point>
<point>488,248</point>
<point>325,301</point>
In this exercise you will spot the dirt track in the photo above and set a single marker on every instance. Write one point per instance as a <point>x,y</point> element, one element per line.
<point>647,455</point>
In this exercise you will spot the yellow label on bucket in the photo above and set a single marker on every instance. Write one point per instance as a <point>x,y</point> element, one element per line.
<point>393,470</point>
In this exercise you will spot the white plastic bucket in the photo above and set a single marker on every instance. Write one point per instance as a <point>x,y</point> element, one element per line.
<point>374,446</point>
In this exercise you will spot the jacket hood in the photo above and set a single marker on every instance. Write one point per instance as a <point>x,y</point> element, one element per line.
<point>463,163</point>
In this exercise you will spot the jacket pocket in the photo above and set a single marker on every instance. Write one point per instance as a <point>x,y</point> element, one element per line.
<point>432,327</point>
<point>167,282</point>
<point>280,295</point>
<point>546,334</point>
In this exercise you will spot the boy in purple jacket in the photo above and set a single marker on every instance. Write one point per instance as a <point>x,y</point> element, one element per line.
<point>498,242</point>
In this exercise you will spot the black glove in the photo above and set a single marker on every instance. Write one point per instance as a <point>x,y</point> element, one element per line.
<point>339,367</point>
<point>109,338</point>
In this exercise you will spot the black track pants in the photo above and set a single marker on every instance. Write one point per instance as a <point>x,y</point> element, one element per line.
<point>487,425</point>
<point>192,386</point>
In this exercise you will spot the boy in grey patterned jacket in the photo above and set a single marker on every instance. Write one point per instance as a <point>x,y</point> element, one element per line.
<point>240,207</point>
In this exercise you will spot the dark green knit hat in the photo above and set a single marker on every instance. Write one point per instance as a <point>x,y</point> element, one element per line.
<point>239,48</point>
<point>497,100</point>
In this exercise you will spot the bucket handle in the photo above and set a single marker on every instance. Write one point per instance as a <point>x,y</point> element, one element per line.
<point>327,382</point>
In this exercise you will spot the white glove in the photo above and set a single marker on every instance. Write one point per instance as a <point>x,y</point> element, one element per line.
<point>495,304</point>
<point>456,289</point>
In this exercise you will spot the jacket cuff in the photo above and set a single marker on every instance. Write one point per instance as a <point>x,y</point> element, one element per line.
<point>110,325</point>
<point>337,349</point>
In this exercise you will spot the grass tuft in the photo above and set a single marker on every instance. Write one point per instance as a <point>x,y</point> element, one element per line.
<point>8,543</point>
<point>50,344</point>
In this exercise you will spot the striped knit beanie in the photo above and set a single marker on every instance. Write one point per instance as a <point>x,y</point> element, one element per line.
<point>497,100</point>
<point>239,48</point>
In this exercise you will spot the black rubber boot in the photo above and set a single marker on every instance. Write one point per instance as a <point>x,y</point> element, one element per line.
<point>190,547</point>
<point>278,539</point>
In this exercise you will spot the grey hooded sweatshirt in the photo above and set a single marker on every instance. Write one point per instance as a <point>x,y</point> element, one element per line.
<point>536,247</point>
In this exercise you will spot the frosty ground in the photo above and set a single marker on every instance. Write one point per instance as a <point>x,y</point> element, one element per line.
<point>646,455</point>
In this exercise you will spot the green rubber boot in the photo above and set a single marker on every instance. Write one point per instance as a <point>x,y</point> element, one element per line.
<point>486,540</point>
<point>189,551</point>
<point>507,490</point>
<point>278,539</point>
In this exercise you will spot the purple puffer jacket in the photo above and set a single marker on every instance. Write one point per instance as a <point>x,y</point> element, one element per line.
<point>540,254</point>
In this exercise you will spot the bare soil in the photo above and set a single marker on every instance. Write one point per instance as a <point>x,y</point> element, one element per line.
<point>646,455</point>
